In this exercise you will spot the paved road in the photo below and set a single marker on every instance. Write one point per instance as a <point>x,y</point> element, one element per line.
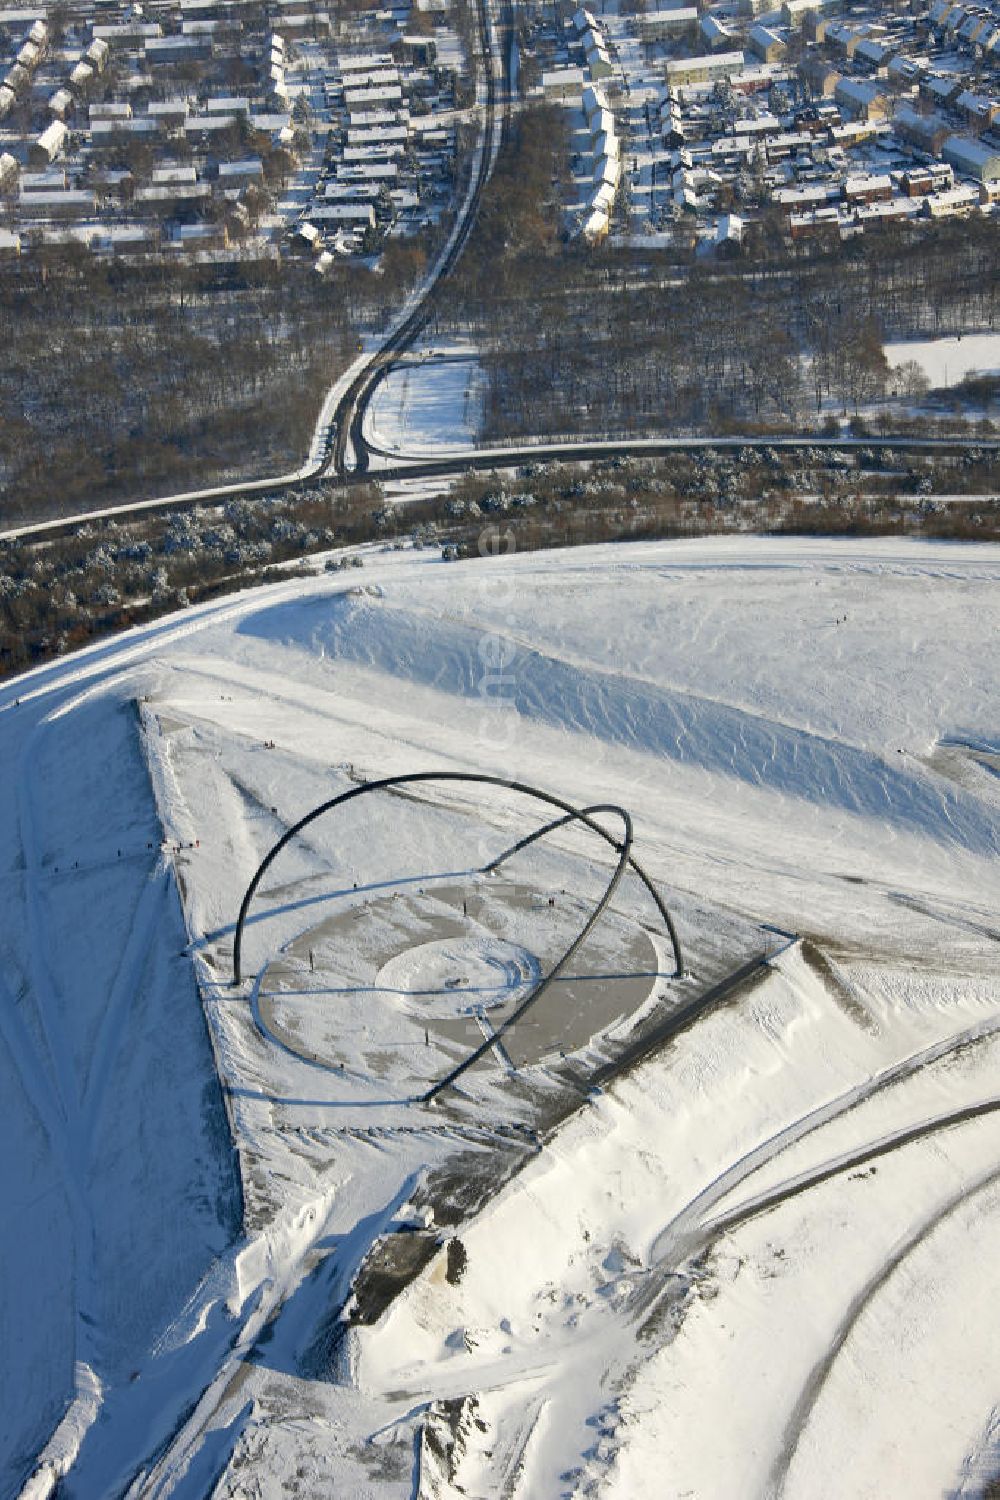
<point>486,459</point>
<point>349,450</point>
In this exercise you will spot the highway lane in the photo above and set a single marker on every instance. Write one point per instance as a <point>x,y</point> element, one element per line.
<point>485,460</point>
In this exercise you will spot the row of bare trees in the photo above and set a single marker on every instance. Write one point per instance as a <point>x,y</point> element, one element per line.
<point>588,341</point>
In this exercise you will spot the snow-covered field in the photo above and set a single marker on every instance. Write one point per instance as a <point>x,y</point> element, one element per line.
<point>946,361</point>
<point>431,402</point>
<point>761,1257</point>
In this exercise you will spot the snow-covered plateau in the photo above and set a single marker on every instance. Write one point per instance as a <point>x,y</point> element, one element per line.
<point>675,1234</point>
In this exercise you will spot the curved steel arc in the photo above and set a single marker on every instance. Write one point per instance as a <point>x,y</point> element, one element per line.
<point>382,784</point>
<point>571,814</point>
<point>634,865</point>
<point>584,816</point>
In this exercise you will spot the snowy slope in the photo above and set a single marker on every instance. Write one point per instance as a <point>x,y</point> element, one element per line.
<point>680,1283</point>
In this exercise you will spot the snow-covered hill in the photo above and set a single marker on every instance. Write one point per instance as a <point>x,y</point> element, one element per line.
<point>239,1258</point>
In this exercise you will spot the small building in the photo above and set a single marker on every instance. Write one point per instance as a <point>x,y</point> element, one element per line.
<point>51,180</point>
<point>360,63</point>
<point>940,11</point>
<point>174,174</point>
<point>815,26</point>
<point>65,203</point>
<point>163,199</point>
<point>421,51</point>
<point>563,85</point>
<point>809,196</point>
<point>606,144</point>
<point>838,34</point>
<point>766,44</point>
<point>918,182</point>
<point>715,34</point>
<point>972,28</point>
<point>595,226</point>
<point>110,111</point>
<point>167,51</point>
<point>102,132</point>
<point>206,128</point>
<point>602,198</point>
<point>29,57</point>
<point>377,135</point>
<point>128,34</point>
<point>660,25</point>
<point>351,192</point>
<point>972,158</point>
<point>336,215</point>
<point>357,101</point>
<point>815,222</point>
<point>672,125</point>
<point>594,102</point>
<point>820,78</point>
<point>710,68</point>
<point>168,113</point>
<point>60,104</point>
<point>602,124</point>
<point>191,239</point>
<point>371,171</point>
<point>607,172</point>
<point>97,55</point>
<point>49,144</point>
<point>847,137</point>
<point>599,63</point>
<point>729,232</point>
<point>861,101</point>
<point>228,104</point>
<point>240,173</point>
<point>940,92</point>
<point>794,12</point>
<point>926,132</point>
<point>905,72</point>
<point>356,155</point>
<point>868,187</point>
<point>954,202</point>
<point>979,110</point>
<point>314,23</point>
<point>873,53</point>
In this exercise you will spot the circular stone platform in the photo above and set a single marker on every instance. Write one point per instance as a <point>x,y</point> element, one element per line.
<point>406,985</point>
<point>466,975</point>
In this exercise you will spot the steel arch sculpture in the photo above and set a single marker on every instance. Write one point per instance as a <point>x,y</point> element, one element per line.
<point>570,814</point>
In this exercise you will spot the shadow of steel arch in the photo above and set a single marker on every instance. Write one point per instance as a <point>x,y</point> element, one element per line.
<point>570,814</point>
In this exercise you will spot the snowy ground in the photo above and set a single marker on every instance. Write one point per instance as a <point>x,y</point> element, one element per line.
<point>946,361</point>
<point>763,1255</point>
<point>430,402</point>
